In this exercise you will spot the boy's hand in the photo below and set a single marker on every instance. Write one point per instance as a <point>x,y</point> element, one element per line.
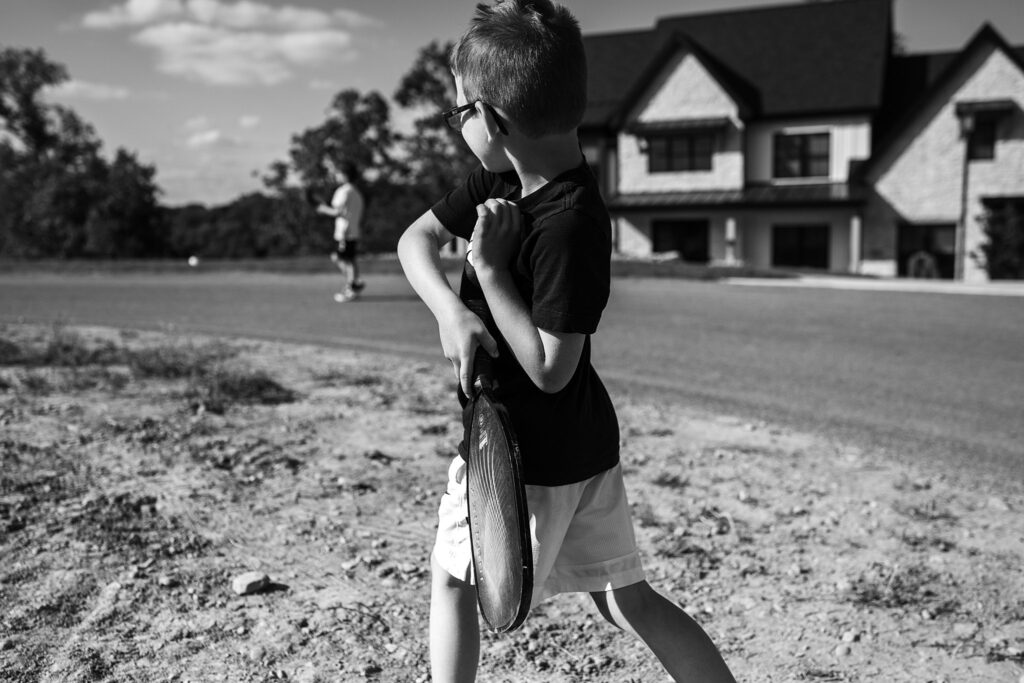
<point>460,337</point>
<point>496,236</point>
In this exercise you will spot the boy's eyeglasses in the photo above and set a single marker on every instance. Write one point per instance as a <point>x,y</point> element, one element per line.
<point>454,121</point>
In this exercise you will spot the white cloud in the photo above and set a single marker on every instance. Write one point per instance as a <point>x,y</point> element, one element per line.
<point>86,90</point>
<point>214,55</point>
<point>251,15</point>
<point>197,123</point>
<point>133,13</point>
<point>239,43</point>
<point>211,138</point>
<point>243,14</point>
<point>249,121</point>
<point>222,57</point>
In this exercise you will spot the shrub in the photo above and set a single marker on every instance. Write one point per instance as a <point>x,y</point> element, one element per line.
<point>1003,252</point>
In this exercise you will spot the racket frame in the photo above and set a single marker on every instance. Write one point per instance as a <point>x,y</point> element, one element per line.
<point>483,388</point>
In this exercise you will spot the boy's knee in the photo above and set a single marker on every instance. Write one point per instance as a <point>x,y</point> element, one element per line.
<point>443,579</point>
<point>627,604</point>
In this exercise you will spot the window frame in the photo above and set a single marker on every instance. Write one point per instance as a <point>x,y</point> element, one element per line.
<point>803,154</point>
<point>981,142</point>
<point>680,152</point>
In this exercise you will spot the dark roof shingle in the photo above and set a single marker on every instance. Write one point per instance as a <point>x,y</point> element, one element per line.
<point>797,60</point>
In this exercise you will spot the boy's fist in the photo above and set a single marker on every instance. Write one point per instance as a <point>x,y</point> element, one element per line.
<point>496,236</point>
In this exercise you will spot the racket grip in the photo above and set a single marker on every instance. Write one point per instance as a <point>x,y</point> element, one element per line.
<point>483,369</point>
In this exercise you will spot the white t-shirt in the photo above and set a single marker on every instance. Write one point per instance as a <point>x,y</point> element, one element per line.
<point>348,202</point>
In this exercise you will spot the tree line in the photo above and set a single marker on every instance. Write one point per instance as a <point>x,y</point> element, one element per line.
<point>61,197</point>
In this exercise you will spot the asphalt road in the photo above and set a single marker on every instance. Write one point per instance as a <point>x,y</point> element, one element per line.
<point>935,379</point>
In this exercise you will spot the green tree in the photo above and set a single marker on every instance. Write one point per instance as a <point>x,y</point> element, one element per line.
<point>438,158</point>
<point>125,218</point>
<point>23,76</point>
<point>58,195</point>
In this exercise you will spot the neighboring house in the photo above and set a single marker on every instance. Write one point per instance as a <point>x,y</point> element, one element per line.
<point>794,136</point>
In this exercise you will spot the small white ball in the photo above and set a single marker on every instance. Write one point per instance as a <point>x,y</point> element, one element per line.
<point>193,261</point>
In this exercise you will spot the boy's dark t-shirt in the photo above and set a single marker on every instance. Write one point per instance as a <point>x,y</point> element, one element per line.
<point>563,273</point>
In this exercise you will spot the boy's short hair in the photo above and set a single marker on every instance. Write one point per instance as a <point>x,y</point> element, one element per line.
<point>526,58</point>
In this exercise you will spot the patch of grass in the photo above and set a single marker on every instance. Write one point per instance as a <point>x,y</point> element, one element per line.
<point>671,481</point>
<point>220,388</point>
<point>66,348</point>
<point>10,353</point>
<point>336,376</point>
<point>177,362</point>
<point>913,586</point>
<point>62,348</point>
<point>927,512</point>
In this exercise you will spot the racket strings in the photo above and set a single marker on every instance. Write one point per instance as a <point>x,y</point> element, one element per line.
<point>496,522</point>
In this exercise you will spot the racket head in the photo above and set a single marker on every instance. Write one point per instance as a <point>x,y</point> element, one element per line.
<point>498,518</point>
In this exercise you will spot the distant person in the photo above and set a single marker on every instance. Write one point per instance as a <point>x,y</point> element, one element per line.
<point>347,206</point>
<point>540,239</point>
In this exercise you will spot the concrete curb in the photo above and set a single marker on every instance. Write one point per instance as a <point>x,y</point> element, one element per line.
<point>998,288</point>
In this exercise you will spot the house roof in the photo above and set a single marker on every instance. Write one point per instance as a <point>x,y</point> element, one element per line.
<point>754,196</point>
<point>912,77</point>
<point>790,60</point>
<point>916,79</point>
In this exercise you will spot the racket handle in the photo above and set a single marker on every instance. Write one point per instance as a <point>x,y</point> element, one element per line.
<point>483,364</point>
<point>483,369</point>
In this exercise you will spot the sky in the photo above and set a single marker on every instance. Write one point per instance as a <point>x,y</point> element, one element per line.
<point>210,92</point>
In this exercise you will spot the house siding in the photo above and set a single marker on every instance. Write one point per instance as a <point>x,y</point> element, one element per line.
<point>753,232</point>
<point>849,139</point>
<point>684,89</point>
<point>921,180</point>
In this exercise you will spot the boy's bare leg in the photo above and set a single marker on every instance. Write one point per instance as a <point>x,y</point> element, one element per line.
<point>354,272</point>
<point>679,643</point>
<point>454,628</point>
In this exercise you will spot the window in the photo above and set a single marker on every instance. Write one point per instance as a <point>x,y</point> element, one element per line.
<point>982,141</point>
<point>685,152</point>
<point>800,246</point>
<point>689,237</point>
<point>801,156</point>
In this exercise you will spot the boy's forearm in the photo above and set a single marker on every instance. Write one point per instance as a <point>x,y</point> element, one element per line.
<point>512,317</point>
<point>419,254</point>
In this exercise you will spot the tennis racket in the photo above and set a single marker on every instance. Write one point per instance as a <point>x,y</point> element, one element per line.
<point>499,528</point>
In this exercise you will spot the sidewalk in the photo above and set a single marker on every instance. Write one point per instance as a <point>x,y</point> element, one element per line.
<point>997,288</point>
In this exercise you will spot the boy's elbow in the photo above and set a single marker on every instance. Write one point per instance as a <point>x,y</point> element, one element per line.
<point>551,381</point>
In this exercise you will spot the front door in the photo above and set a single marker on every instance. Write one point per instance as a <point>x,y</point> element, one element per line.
<point>926,250</point>
<point>688,237</point>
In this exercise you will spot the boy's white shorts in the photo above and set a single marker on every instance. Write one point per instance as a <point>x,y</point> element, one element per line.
<point>582,534</point>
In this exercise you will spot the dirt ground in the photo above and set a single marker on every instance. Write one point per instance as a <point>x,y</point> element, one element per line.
<point>142,472</point>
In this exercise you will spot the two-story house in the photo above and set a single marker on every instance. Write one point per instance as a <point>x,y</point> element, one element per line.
<point>753,136</point>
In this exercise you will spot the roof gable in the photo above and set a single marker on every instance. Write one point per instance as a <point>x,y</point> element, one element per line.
<point>924,77</point>
<point>789,60</point>
<point>680,53</point>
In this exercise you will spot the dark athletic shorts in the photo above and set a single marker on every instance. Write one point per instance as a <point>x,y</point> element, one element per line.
<point>348,252</point>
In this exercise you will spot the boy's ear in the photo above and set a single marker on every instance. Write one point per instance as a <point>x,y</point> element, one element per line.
<point>494,127</point>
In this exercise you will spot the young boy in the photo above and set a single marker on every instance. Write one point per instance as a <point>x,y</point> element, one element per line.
<point>540,257</point>
<point>346,207</point>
